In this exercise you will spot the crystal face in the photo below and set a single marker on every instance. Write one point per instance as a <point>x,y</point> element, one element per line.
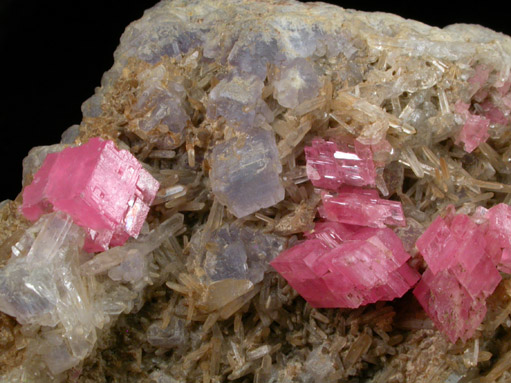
<point>299,161</point>
<point>102,188</point>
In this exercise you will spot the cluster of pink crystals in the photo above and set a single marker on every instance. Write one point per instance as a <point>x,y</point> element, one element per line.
<point>492,106</point>
<point>350,259</point>
<point>347,266</point>
<point>330,165</point>
<point>463,255</point>
<point>103,189</point>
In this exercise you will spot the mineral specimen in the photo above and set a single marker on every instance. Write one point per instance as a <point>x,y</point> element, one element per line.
<point>335,138</point>
<point>102,188</point>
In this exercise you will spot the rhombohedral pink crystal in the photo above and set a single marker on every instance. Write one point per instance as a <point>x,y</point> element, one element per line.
<point>462,258</point>
<point>103,189</point>
<point>339,268</point>
<point>330,165</point>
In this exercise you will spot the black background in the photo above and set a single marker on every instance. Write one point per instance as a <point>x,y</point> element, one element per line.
<point>53,53</point>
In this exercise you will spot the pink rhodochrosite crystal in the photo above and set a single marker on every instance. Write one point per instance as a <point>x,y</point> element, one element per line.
<point>350,258</point>
<point>462,268</point>
<point>363,207</point>
<point>474,132</point>
<point>340,266</point>
<point>330,165</point>
<point>103,189</point>
<point>449,304</point>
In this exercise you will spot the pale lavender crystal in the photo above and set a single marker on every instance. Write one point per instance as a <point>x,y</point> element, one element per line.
<point>296,82</point>
<point>237,98</point>
<point>245,173</point>
<point>251,54</point>
<point>162,104</point>
<point>330,165</point>
<point>173,335</point>
<point>241,253</point>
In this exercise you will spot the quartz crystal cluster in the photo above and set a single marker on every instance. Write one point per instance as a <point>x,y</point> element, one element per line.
<point>352,152</point>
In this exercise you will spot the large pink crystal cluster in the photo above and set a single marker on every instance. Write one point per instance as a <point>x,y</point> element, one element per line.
<point>351,258</point>
<point>463,254</point>
<point>103,189</point>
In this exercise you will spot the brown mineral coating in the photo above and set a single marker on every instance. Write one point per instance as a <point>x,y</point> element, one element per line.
<point>358,343</point>
<point>10,355</point>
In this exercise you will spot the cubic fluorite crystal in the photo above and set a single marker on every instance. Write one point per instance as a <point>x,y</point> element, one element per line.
<point>332,137</point>
<point>103,189</point>
<point>245,173</point>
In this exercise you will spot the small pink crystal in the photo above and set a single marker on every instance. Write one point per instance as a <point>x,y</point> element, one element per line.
<point>474,132</point>
<point>362,207</point>
<point>494,114</point>
<point>330,165</point>
<point>103,189</point>
<point>480,76</point>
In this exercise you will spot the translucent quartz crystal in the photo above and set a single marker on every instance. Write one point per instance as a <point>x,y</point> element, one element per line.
<point>126,262</point>
<point>347,267</point>
<point>245,172</point>
<point>362,207</point>
<point>461,272</point>
<point>330,165</point>
<point>240,252</point>
<point>42,286</point>
<point>103,189</point>
<point>28,290</point>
